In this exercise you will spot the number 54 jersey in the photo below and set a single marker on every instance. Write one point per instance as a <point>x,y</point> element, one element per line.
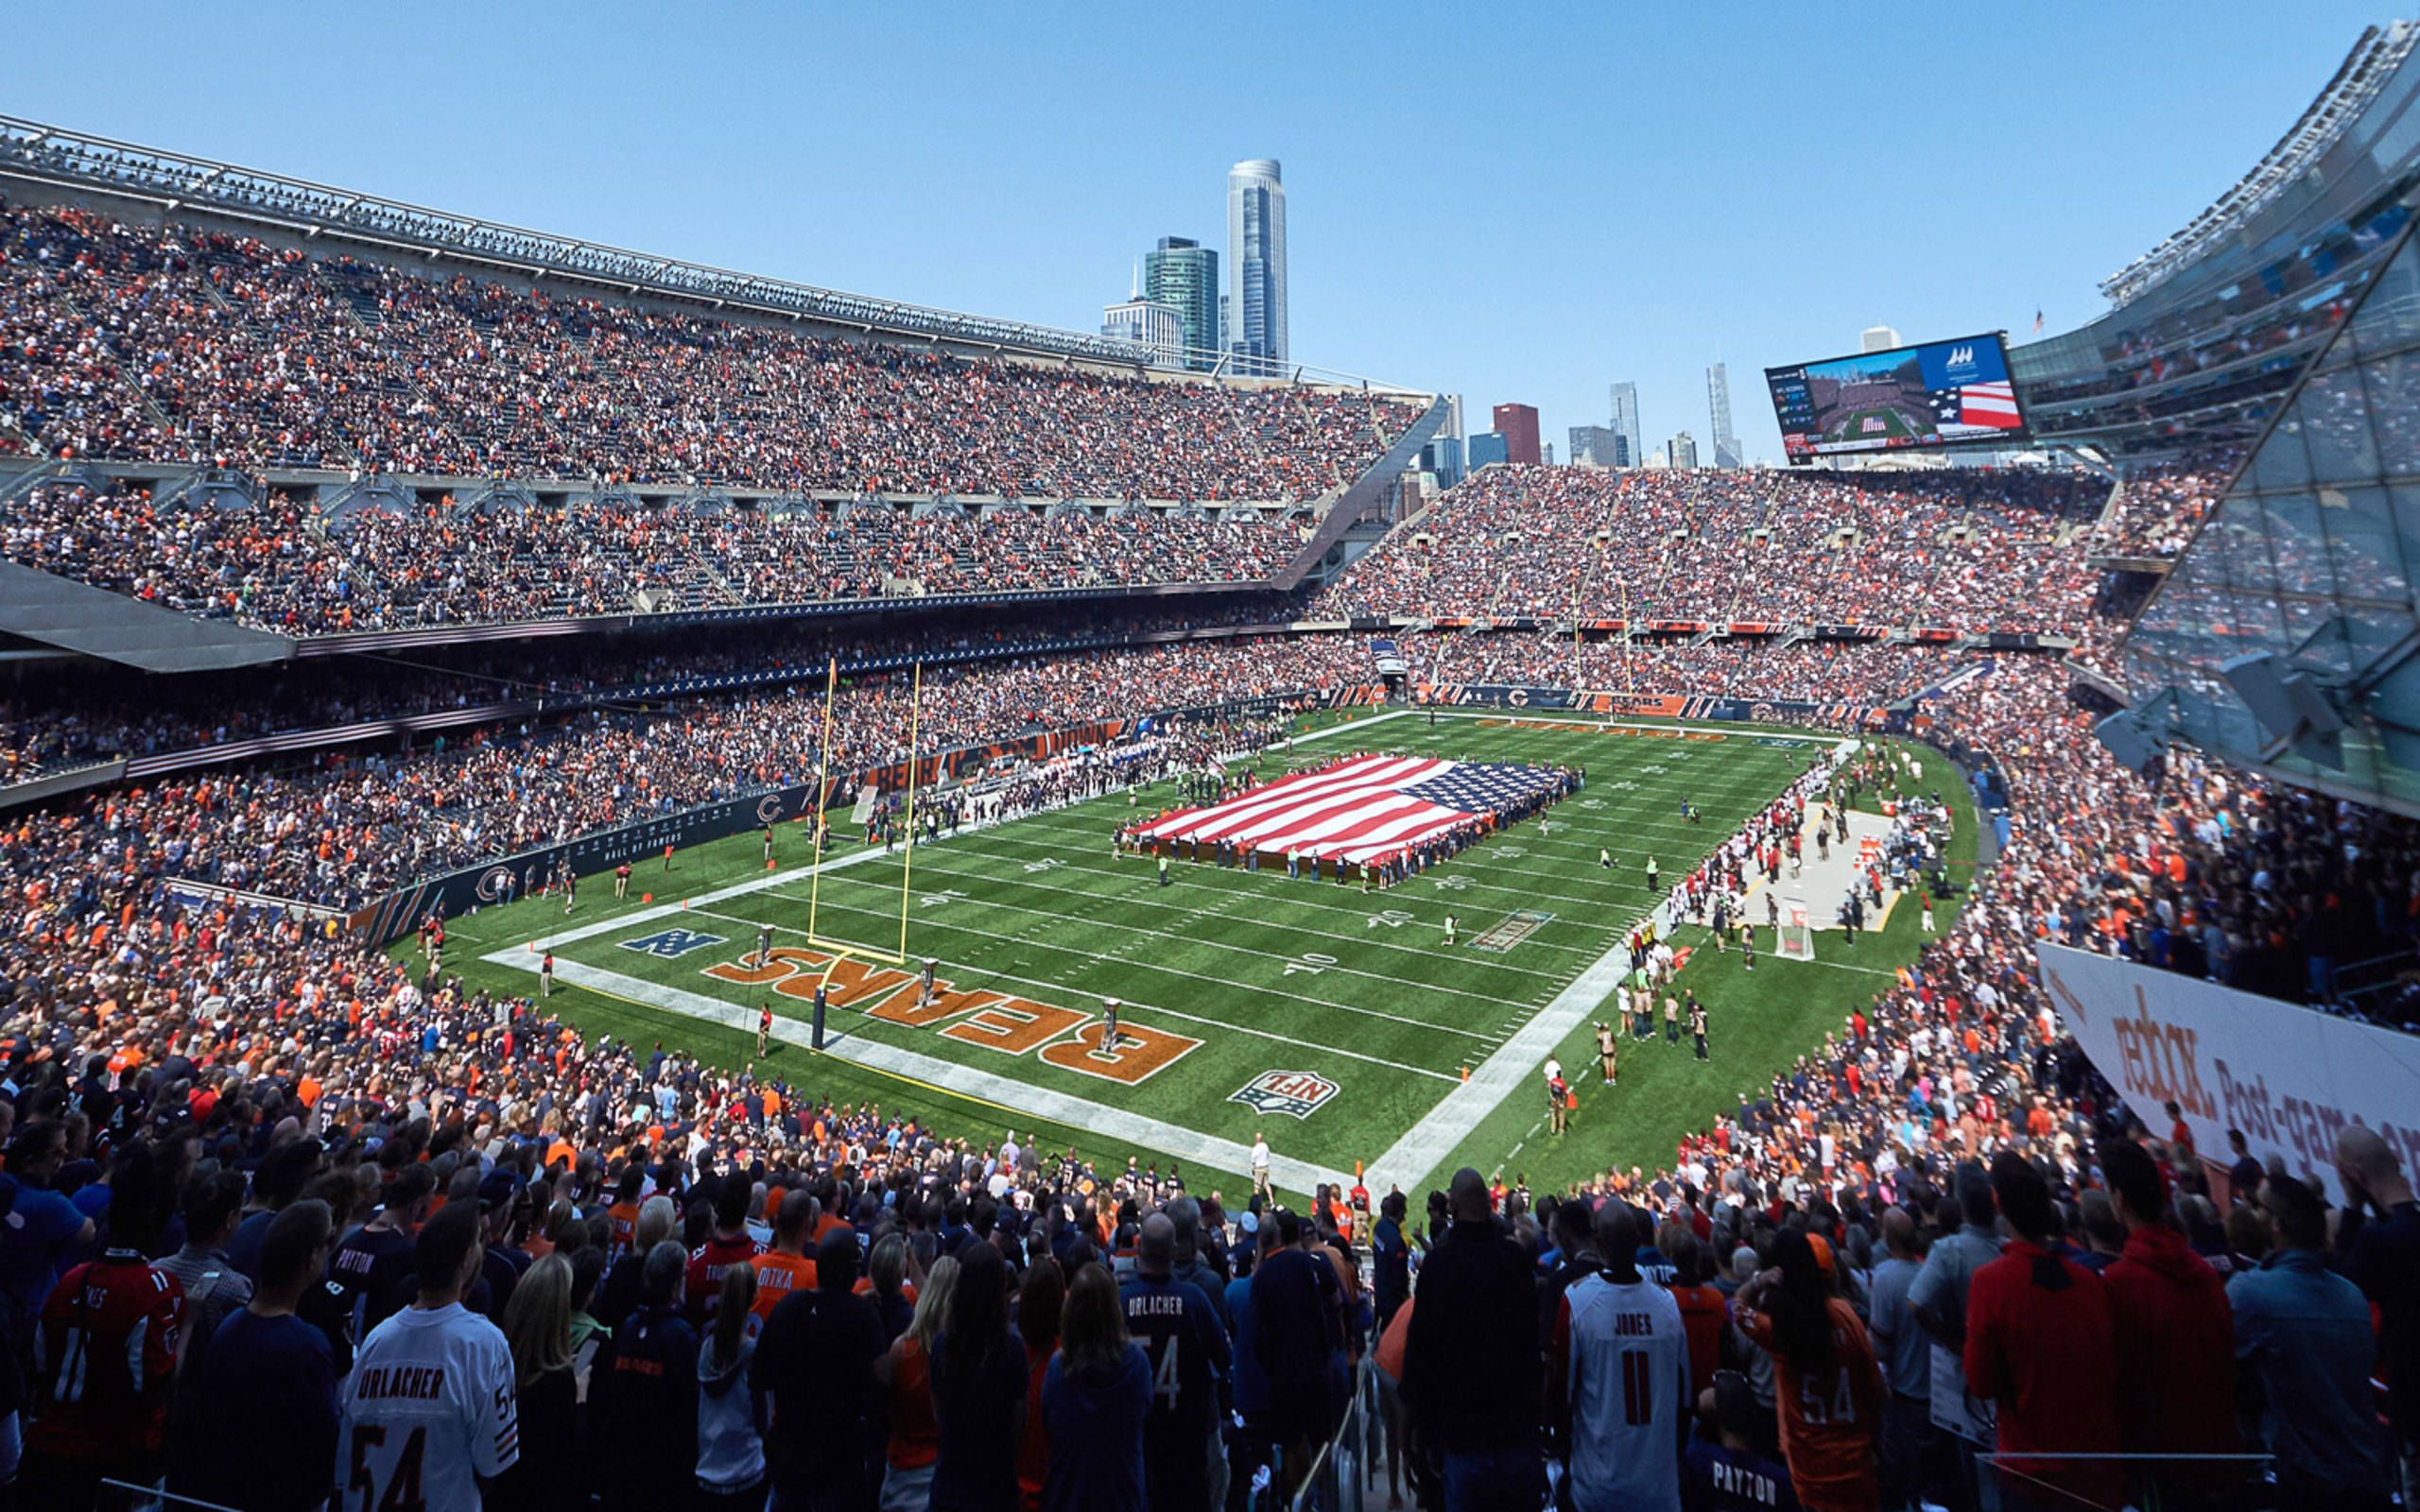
<point>427,1411</point>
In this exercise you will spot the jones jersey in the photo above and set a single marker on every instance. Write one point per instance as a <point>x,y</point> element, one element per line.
<point>1629,1386</point>
<point>429,1413</point>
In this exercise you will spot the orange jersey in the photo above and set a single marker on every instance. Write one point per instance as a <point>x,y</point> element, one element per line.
<point>777,1276</point>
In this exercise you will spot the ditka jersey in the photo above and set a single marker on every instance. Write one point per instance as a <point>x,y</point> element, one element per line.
<point>428,1410</point>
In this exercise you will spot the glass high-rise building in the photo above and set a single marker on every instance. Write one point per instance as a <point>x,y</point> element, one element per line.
<point>1718,401</point>
<point>1256,264</point>
<point>1182,272</point>
<point>1484,448</point>
<point>1626,421</point>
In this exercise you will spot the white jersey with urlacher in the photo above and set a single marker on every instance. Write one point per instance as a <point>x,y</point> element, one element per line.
<point>428,1412</point>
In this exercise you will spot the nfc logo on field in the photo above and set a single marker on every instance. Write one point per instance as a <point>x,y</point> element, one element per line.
<point>1294,1094</point>
<point>672,943</point>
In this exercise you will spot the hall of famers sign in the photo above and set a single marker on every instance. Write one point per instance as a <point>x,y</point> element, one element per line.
<point>2290,1078</point>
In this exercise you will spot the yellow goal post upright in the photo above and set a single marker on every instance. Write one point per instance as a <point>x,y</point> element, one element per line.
<point>835,951</point>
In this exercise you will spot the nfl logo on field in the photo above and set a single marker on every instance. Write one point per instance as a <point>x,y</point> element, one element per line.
<point>1295,1094</point>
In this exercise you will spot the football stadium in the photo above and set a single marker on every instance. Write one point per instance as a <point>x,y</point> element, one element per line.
<point>634,885</point>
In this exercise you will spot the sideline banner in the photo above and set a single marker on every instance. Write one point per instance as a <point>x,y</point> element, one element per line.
<point>2288,1077</point>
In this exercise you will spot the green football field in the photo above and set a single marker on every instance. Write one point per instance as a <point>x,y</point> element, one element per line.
<point>1337,1022</point>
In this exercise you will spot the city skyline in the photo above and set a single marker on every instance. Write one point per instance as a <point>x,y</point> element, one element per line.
<point>1062,193</point>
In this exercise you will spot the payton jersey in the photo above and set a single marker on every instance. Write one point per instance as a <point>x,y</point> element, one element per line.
<point>1629,1385</point>
<point>1187,1347</point>
<point>429,1413</point>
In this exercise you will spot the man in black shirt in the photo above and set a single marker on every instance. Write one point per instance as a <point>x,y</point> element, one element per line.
<point>815,1363</point>
<point>1471,1376</point>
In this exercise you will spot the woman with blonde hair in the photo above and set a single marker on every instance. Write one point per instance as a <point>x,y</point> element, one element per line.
<point>731,1436</point>
<point>904,1377</point>
<point>537,1328</point>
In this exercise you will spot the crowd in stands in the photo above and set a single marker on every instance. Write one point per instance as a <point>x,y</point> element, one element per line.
<point>194,1038</point>
<point>170,343</point>
<point>1965,549</point>
<point>352,828</point>
<point>1747,666</point>
<point>282,567</point>
<point>2160,506</point>
<point>80,713</point>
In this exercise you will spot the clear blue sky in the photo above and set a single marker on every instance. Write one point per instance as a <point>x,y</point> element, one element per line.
<point>1519,203</point>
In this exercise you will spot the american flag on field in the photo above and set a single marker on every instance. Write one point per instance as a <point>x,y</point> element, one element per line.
<point>1360,808</point>
<point>1992,404</point>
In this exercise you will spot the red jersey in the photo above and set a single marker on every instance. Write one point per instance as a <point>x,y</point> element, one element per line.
<point>107,1355</point>
<point>707,1263</point>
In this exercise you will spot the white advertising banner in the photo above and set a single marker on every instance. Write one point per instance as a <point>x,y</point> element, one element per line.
<point>2288,1077</point>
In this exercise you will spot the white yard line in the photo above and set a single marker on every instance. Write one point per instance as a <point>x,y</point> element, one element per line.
<point>1458,1113</point>
<point>1224,1156</point>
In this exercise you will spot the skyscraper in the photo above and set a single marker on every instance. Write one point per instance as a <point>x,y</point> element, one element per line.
<point>1518,424</point>
<point>1685,452</point>
<point>1718,401</point>
<point>1256,264</point>
<point>1878,338</point>
<point>1487,446</point>
<point>1180,271</point>
<point>1148,323</point>
<point>1443,456</point>
<point>1598,446</point>
<point>1625,421</point>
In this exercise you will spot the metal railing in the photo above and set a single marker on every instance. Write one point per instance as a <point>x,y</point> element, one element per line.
<point>1341,1475</point>
<point>2050,1481</point>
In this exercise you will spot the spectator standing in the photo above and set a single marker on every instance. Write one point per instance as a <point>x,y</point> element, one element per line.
<point>1041,1301</point>
<point>903,1380</point>
<point>1726,1473</point>
<point>1096,1395</point>
<point>1471,1377</point>
<point>1828,1387</point>
<point>549,1476</point>
<point>43,1227</point>
<point>1181,1331</point>
<point>267,1366</point>
<point>643,1397</point>
<point>1938,1296</point>
<point>1905,1356</point>
<point>2384,1261</point>
<point>106,1357</point>
<point>814,1364</point>
<point>1297,1320</point>
<point>730,1441</point>
<point>430,1409</point>
<point>979,1390</point>
<point>2040,1343</point>
<point>2304,1348</point>
<point>2175,1340</point>
<point>1619,1344</point>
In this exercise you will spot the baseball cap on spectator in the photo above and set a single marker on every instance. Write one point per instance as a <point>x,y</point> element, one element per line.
<point>497,1189</point>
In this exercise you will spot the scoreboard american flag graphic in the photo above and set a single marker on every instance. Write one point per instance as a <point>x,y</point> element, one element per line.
<point>1360,808</point>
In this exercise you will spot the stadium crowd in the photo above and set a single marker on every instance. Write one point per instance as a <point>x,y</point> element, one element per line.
<point>282,567</point>
<point>160,342</point>
<point>82,713</point>
<point>1967,549</point>
<point>183,1046</point>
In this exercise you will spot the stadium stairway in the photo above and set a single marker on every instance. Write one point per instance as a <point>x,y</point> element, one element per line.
<point>1365,497</point>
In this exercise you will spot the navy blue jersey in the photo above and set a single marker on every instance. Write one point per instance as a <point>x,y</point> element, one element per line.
<point>1186,1345</point>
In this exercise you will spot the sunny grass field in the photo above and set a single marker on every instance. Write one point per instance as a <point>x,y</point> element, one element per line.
<point>1227,974</point>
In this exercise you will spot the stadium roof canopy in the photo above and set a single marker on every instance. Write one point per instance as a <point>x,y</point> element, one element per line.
<point>2286,637</point>
<point>178,181</point>
<point>2365,71</point>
